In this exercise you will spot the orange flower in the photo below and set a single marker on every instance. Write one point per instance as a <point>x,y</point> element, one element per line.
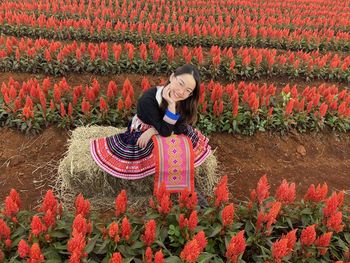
<point>191,251</point>
<point>150,233</point>
<point>227,215</point>
<point>82,206</point>
<point>193,221</point>
<point>76,246</point>
<point>116,258</point>
<point>121,203</point>
<point>103,105</point>
<point>23,248</point>
<point>221,192</point>
<point>201,239</point>
<point>114,232</point>
<point>334,222</point>
<point>37,226</point>
<point>80,224</point>
<point>308,235</point>
<point>49,203</point>
<point>149,255</point>
<point>279,249</point>
<point>262,189</point>
<point>322,242</point>
<point>188,199</point>
<point>126,228</point>
<point>286,192</point>
<point>236,247</point>
<point>35,255</point>
<point>318,194</point>
<point>158,257</point>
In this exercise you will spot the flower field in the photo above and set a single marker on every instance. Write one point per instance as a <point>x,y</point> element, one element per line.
<point>280,68</point>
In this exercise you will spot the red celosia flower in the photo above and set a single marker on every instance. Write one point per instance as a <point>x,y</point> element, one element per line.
<point>23,248</point>
<point>188,199</point>
<point>49,218</point>
<point>334,222</point>
<point>35,255</point>
<point>322,242</point>
<point>331,205</point>
<point>126,228</point>
<point>292,239</point>
<point>159,257</point>
<point>221,192</point>
<point>49,203</point>
<point>318,194</point>
<point>150,233</point>
<point>308,236</point>
<point>103,105</point>
<point>193,221</point>
<point>114,232</point>
<point>82,206</point>
<point>191,251</point>
<point>323,109</point>
<point>76,246</point>
<point>11,207</point>
<point>260,220</point>
<point>236,247</point>
<point>280,249</point>
<point>262,189</point>
<point>183,222</point>
<point>149,255</point>
<point>8,243</point>
<point>201,239</point>
<point>252,199</point>
<point>80,224</point>
<point>165,204</point>
<point>121,203</point>
<point>128,103</point>
<point>15,197</point>
<point>145,84</point>
<point>37,226</point>
<point>120,104</point>
<point>286,192</point>
<point>227,215</point>
<point>5,231</point>
<point>116,258</point>
<point>272,215</point>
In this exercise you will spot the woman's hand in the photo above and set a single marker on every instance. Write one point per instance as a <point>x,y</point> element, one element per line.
<point>166,95</point>
<point>145,137</point>
<point>171,102</point>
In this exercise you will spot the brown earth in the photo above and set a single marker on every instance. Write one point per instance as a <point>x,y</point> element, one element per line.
<point>29,162</point>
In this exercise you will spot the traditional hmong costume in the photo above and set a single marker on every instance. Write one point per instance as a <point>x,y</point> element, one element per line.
<point>119,154</point>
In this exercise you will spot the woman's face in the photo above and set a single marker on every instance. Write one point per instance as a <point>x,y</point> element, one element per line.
<point>181,86</point>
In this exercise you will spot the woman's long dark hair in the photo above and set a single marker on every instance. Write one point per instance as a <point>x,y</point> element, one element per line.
<point>187,108</point>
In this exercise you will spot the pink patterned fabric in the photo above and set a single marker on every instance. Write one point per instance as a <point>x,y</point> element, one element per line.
<point>174,161</point>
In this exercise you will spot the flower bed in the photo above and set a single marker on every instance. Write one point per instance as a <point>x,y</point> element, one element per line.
<point>265,228</point>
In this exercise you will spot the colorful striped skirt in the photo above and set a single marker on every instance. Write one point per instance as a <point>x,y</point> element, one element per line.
<point>120,156</point>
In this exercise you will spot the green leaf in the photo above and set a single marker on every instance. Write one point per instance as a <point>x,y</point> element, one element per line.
<point>90,246</point>
<point>205,257</point>
<point>58,234</point>
<point>172,259</point>
<point>216,231</point>
<point>103,248</point>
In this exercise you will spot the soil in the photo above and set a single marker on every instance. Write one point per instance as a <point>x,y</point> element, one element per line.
<point>29,163</point>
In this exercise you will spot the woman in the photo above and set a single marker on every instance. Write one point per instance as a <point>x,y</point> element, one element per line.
<point>164,110</point>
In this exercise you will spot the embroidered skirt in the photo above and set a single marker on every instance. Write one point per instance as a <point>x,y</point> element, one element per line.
<point>120,156</point>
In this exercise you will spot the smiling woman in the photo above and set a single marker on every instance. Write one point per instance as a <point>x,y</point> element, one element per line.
<point>161,111</point>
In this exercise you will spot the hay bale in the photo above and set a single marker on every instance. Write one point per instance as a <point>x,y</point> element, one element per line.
<point>78,173</point>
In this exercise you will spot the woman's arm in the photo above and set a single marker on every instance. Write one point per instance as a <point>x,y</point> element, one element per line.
<point>149,112</point>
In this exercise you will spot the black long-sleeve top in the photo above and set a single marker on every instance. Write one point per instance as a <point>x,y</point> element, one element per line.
<point>149,112</point>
